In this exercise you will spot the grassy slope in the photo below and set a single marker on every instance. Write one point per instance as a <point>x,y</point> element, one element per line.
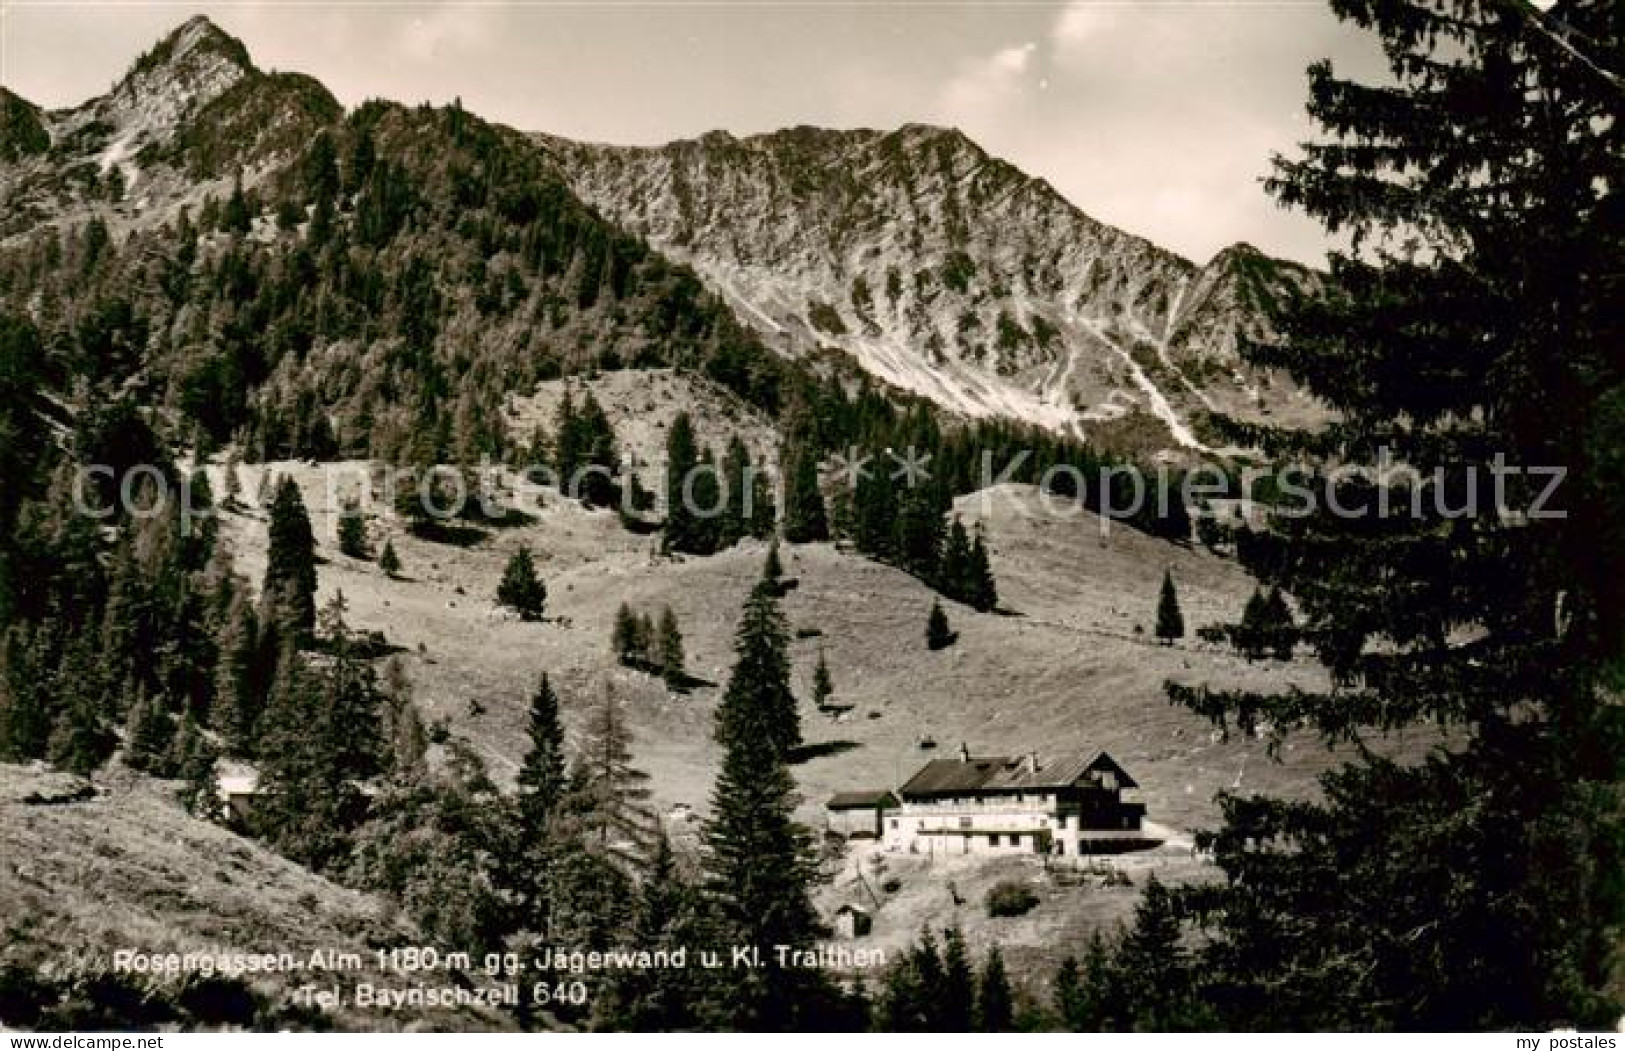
<point>129,869</point>
<point>1069,672</point>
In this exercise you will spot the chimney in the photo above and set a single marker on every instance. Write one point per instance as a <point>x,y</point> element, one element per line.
<point>1032,762</point>
<point>964,752</point>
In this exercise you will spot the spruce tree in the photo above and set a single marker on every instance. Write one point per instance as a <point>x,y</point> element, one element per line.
<point>657,999</point>
<point>738,519</point>
<point>308,804</point>
<point>149,737</point>
<point>627,638</point>
<point>773,565</point>
<point>1251,635</point>
<point>1280,630</point>
<point>763,517</point>
<point>237,218</point>
<point>759,866</point>
<point>709,513</point>
<point>1091,999</point>
<point>956,1002</point>
<point>938,635</point>
<point>995,1007</point>
<point>231,483</point>
<point>758,702</point>
<point>955,578</point>
<point>1170,622</point>
<point>529,866</point>
<point>389,561</point>
<point>198,767</point>
<point>823,685</point>
<point>80,743</point>
<point>569,443</point>
<point>238,683</point>
<point>911,999</point>
<point>25,716</point>
<point>984,592</point>
<point>1067,995</point>
<point>290,562</point>
<point>683,528</point>
<point>1154,969</point>
<point>669,647</point>
<point>543,777</point>
<point>1473,326</point>
<point>353,532</point>
<point>599,454</point>
<point>619,822</point>
<point>349,695</point>
<point>917,534</point>
<point>874,516</point>
<point>805,519</point>
<point>520,588</point>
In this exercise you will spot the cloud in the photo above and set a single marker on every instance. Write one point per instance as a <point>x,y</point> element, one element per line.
<point>986,84</point>
<point>1080,24</point>
<point>448,28</point>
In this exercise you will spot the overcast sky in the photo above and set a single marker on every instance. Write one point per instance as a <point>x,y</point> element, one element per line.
<point>1156,116</point>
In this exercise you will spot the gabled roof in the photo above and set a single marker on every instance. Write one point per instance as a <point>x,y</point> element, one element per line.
<point>863,799</point>
<point>1002,773</point>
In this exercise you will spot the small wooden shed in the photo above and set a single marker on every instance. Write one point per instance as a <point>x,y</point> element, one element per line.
<point>860,814</point>
<point>853,921</point>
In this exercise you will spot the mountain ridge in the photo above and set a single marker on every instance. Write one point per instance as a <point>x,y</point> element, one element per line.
<point>1001,297</point>
<point>928,262</point>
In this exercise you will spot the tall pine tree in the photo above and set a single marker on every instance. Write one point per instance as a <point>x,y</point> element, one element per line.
<point>683,527</point>
<point>759,861</point>
<point>290,563</point>
<point>758,702</point>
<point>806,520</point>
<point>1476,325</point>
<point>1170,622</point>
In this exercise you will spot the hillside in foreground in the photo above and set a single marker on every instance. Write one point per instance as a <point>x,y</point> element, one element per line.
<point>94,867</point>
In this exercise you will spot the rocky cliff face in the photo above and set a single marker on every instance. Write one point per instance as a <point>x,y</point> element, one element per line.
<point>190,115</point>
<point>951,273</point>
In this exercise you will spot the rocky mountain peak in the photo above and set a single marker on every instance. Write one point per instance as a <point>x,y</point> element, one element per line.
<point>194,44</point>
<point>186,70</point>
<point>191,112</point>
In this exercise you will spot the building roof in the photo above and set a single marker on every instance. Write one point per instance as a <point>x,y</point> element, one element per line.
<point>238,785</point>
<point>969,775</point>
<point>863,799</point>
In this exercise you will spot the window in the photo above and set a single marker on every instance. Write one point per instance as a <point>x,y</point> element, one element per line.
<point>964,822</point>
<point>993,840</point>
<point>1060,846</point>
<point>894,823</point>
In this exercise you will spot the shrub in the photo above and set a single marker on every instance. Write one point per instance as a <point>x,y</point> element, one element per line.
<point>1010,899</point>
